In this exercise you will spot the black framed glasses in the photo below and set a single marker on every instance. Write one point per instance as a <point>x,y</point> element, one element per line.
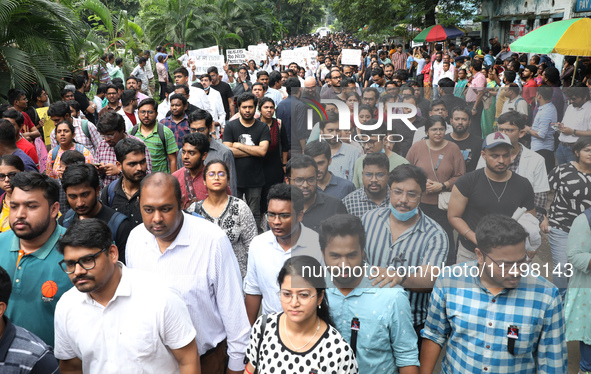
<point>8,175</point>
<point>87,262</point>
<point>300,181</point>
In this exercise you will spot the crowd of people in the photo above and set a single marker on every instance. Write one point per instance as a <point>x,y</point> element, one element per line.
<point>274,217</point>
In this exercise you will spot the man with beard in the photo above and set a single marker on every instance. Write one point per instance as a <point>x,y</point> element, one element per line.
<point>112,95</point>
<point>302,172</point>
<point>197,96</point>
<point>225,91</point>
<point>195,257</point>
<point>129,105</point>
<point>263,77</point>
<point>374,192</point>
<point>82,186</point>
<point>292,113</point>
<point>388,72</point>
<point>134,83</point>
<point>111,126</point>
<point>334,90</point>
<point>114,306</point>
<point>268,252</point>
<point>258,90</point>
<point>529,83</point>
<point>385,344</point>
<point>327,181</point>
<point>123,194</point>
<point>29,250</point>
<point>273,88</point>
<point>469,144</point>
<point>248,139</point>
<point>343,155</point>
<point>215,100</point>
<point>178,121</point>
<point>310,89</point>
<point>490,190</point>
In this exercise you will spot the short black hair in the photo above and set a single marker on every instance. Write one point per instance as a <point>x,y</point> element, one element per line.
<point>437,102</point>
<point>180,97</point>
<point>110,121</point>
<point>246,96</point>
<point>58,109</point>
<point>318,148</point>
<point>73,104</point>
<point>292,85</point>
<point>514,118</point>
<point>261,73</point>
<point>495,230</point>
<point>7,133</point>
<point>32,180</point>
<point>287,192</point>
<point>331,117</point>
<point>141,60</point>
<point>476,65</point>
<point>377,71</point>
<point>181,70</point>
<point>274,78</point>
<point>71,157</point>
<point>184,87</point>
<point>148,101</point>
<point>15,94</point>
<point>581,143</point>
<point>200,114</point>
<point>341,225</point>
<point>378,159</point>
<point>15,115</point>
<point>407,171</point>
<point>212,69</point>
<point>126,146</point>
<point>127,97</point>
<point>201,141</point>
<point>86,233</point>
<point>5,286</point>
<point>300,162</point>
<point>78,174</point>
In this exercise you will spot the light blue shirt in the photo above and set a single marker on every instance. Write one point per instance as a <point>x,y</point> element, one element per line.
<point>275,95</point>
<point>545,116</point>
<point>343,162</point>
<point>386,339</point>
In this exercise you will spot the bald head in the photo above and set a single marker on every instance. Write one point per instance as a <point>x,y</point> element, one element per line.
<point>163,182</point>
<point>310,82</point>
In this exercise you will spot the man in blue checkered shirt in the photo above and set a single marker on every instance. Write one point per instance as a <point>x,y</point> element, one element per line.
<point>497,314</point>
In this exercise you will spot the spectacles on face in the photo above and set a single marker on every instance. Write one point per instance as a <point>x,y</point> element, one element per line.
<point>219,174</point>
<point>374,175</point>
<point>201,130</point>
<point>9,175</point>
<point>300,181</point>
<point>108,136</point>
<point>410,195</point>
<point>509,265</point>
<point>87,262</point>
<point>144,112</point>
<point>304,298</point>
<point>282,216</point>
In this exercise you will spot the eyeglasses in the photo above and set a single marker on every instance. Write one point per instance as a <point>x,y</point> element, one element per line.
<point>87,262</point>
<point>9,175</point>
<point>509,265</point>
<point>300,181</point>
<point>201,130</point>
<point>219,174</point>
<point>369,143</point>
<point>282,216</point>
<point>144,112</point>
<point>410,195</point>
<point>375,175</point>
<point>108,136</point>
<point>303,297</point>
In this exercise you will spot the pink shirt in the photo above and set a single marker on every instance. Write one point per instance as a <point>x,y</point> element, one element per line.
<point>478,83</point>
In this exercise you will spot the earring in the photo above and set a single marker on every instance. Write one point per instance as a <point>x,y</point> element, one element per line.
<point>319,306</point>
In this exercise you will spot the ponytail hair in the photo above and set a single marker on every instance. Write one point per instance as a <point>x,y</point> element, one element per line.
<point>310,270</point>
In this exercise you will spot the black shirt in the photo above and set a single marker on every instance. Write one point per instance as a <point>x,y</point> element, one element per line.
<point>129,207</point>
<point>483,201</point>
<point>84,102</point>
<point>451,101</point>
<point>249,170</point>
<point>470,148</point>
<point>105,215</point>
<point>407,134</point>
<point>226,93</point>
<point>325,206</point>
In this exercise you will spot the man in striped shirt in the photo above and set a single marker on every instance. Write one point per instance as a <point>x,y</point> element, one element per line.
<point>490,315</point>
<point>402,236</point>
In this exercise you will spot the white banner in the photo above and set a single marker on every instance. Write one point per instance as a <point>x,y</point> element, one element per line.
<point>203,62</point>
<point>258,52</point>
<point>300,56</point>
<point>209,51</point>
<point>236,56</point>
<point>351,57</point>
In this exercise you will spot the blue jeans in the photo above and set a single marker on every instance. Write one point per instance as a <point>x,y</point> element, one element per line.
<point>564,154</point>
<point>585,363</point>
<point>558,240</point>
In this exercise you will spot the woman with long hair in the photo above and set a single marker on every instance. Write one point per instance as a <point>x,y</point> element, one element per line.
<point>10,165</point>
<point>301,339</point>
<point>64,134</point>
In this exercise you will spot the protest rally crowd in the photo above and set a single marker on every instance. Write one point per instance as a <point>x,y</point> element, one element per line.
<point>178,221</point>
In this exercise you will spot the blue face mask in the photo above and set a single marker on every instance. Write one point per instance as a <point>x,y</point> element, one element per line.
<point>403,216</point>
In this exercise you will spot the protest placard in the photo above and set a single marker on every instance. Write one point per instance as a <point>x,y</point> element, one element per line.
<point>203,62</point>
<point>209,51</point>
<point>236,56</point>
<point>351,57</point>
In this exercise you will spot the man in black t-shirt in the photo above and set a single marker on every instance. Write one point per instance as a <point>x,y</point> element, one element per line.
<point>491,190</point>
<point>248,139</point>
<point>470,144</point>
<point>224,89</point>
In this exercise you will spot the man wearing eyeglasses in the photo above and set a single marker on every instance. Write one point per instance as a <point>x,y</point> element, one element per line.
<point>268,251</point>
<point>494,315</point>
<point>200,121</point>
<point>374,192</point>
<point>118,319</point>
<point>302,172</point>
<point>112,95</point>
<point>30,253</point>
<point>401,236</point>
<point>111,126</point>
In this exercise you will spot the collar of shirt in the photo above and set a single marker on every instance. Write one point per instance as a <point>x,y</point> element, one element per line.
<point>364,286</point>
<point>123,289</point>
<point>7,338</point>
<point>301,243</point>
<point>364,197</point>
<point>45,249</point>
<point>332,181</point>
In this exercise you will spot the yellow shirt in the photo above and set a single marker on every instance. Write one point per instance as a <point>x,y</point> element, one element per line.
<point>4,224</point>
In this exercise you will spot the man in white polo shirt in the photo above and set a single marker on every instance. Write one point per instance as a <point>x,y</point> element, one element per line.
<point>269,251</point>
<point>117,320</point>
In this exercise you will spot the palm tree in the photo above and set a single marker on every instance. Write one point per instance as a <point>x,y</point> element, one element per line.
<point>36,37</point>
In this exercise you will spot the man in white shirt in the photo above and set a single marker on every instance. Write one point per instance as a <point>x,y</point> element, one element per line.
<point>514,100</point>
<point>196,257</point>
<point>117,320</point>
<point>197,95</point>
<point>215,99</point>
<point>269,251</point>
<point>576,122</point>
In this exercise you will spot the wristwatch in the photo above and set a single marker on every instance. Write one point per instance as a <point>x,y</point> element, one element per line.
<point>575,132</point>
<point>444,188</point>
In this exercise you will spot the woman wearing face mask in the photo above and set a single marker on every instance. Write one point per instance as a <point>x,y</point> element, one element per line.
<point>302,337</point>
<point>9,166</point>
<point>443,162</point>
